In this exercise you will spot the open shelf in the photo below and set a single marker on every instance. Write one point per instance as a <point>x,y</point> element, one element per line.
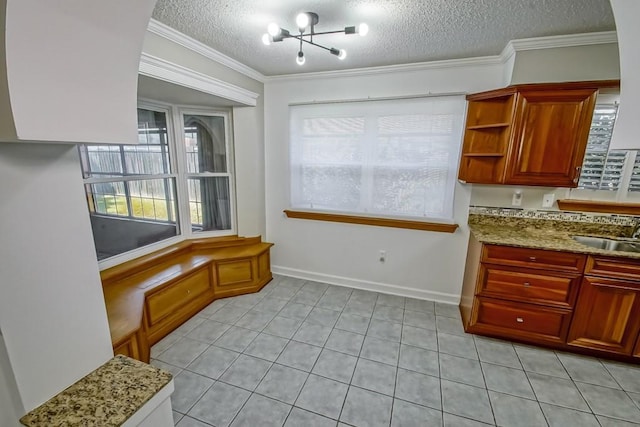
<point>489,126</point>
<point>483,155</point>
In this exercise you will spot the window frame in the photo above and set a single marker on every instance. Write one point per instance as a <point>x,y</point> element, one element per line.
<point>429,223</point>
<point>185,213</point>
<point>178,171</point>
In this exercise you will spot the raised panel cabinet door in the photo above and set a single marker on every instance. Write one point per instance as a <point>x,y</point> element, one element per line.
<point>550,137</point>
<point>606,316</point>
<point>636,352</point>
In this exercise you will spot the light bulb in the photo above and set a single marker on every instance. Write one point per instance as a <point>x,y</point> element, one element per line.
<point>343,54</point>
<point>363,29</point>
<point>266,39</point>
<point>300,59</point>
<point>302,20</point>
<point>273,29</point>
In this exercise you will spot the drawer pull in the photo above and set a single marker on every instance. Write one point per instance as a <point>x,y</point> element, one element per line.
<point>519,320</point>
<point>532,258</point>
<point>526,284</point>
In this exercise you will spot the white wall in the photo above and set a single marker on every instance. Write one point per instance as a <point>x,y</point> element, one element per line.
<point>566,64</point>
<point>10,406</point>
<point>248,123</point>
<point>419,263</point>
<point>52,309</point>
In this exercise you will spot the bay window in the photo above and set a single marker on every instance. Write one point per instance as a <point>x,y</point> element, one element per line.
<point>176,181</point>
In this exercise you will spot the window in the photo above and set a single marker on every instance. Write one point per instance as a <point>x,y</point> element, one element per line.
<point>612,174</point>
<point>382,158</point>
<point>142,194</point>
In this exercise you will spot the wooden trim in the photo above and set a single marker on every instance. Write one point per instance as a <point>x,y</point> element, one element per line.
<point>599,206</point>
<point>510,90</point>
<point>379,222</point>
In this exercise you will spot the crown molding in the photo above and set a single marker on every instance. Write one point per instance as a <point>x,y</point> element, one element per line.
<point>171,34</point>
<point>386,69</point>
<point>550,42</point>
<point>161,69</point>
<point>512,47</point>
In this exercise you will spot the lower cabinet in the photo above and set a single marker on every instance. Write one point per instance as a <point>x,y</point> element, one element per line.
<point>520,320</point>
<point>564,300</point>
<point>606,316</point>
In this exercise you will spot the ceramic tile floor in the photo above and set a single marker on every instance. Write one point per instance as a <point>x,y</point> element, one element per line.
<point>309,354</point>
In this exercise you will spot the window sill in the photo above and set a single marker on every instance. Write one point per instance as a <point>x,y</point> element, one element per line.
<point>379,222</point>
<point>599,206</point>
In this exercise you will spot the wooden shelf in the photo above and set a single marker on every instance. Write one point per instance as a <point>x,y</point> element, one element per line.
<point>489,126</point>
<point>599,206</point>
<point>483,155</point>
<point>380,222</point>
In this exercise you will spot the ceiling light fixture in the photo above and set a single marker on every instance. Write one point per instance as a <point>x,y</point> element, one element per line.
<point>306,22</point>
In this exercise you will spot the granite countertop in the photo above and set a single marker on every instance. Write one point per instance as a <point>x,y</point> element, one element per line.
<point>551,235</point>
<point>107,396</point>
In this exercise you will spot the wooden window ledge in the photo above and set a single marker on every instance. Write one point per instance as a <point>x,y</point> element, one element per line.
<point>380,222</point>
<point>599,206</point>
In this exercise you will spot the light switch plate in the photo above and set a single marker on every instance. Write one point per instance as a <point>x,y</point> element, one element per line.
<point>548,199</point>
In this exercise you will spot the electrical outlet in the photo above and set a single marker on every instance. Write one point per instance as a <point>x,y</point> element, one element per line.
<point>548,199</point>
<point>383,256</point>
<point>516,200</point>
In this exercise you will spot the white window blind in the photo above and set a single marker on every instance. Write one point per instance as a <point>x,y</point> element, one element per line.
<point>602,169</point>
<point>634,183</point>
<point>389,158</point>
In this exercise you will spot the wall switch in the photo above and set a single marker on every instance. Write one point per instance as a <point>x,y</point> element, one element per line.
<point>383,256</point>
<point>516,200</point>
<point>548,199</point>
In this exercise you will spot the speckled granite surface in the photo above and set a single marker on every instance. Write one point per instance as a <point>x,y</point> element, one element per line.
<point>107,396</point>
<point>545,234</point>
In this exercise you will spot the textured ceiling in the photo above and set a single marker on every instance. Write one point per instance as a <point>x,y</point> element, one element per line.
<point>401,32</point>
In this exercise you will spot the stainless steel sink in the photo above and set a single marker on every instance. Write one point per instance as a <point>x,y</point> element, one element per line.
<point>608,244</point>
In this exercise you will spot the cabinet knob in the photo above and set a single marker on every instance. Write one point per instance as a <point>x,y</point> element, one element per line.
<point>532,258</point>
<point>188,291</point>
<point>519,320</point>
<point>526,284</point>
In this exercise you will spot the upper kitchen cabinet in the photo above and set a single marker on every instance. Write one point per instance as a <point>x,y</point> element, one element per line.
<point>69,69</point>
<point>532,134</point>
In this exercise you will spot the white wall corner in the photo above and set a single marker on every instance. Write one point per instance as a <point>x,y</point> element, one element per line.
<point>164,70</point>
<point>171,34</point>
<point>384,288</point>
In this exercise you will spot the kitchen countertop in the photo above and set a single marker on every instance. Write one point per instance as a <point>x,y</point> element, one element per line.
<point>107,396</point>
<point>542,234</point>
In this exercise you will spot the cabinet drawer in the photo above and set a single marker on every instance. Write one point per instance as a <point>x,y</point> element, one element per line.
<point>533,258</point>
<point>529,285</point>
<point>520,320</point>
<point>164,302</point>
<point>623,268</point>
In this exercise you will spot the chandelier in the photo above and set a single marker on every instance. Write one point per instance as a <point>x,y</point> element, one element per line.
<point>306,22</point>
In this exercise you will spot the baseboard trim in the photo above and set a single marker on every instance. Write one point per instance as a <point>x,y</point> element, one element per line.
<point>384,288</point>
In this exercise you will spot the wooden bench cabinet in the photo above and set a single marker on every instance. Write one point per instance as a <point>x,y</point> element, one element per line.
<point>149,297</point>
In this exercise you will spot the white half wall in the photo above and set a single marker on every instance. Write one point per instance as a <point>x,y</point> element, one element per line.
<point>52,312</point>
<point>420,264</point>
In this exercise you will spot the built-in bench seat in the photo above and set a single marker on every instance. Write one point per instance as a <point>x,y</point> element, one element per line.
<point>150,296</point>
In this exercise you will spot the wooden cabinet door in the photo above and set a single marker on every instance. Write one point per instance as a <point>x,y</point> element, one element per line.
<point>636,352</point>
<point>606,315</point>
<point>550,137</point>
